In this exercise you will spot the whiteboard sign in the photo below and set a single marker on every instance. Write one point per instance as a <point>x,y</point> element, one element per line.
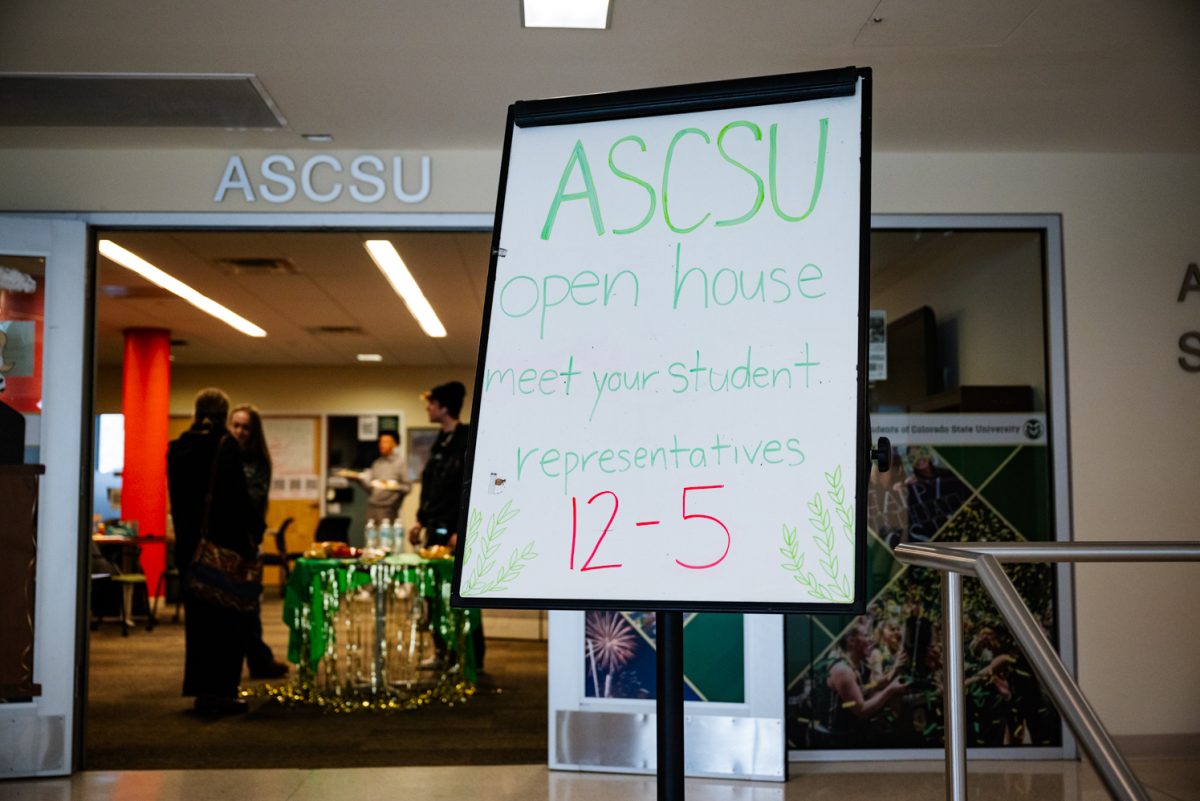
<point>667,405</point>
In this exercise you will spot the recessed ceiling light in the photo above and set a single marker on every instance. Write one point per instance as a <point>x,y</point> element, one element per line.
<point>146,270</point>
<point>594,14</point>
<point>317,137</point>
<point>384,254</point>
<point>369,357</point>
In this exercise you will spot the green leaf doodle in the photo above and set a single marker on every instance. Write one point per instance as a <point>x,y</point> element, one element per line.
<point>833,584</point>
<point>837,496</point>
<point>791,551</point>
<point>486,575</point>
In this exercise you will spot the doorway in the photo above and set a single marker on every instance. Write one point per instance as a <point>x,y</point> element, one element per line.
<point>323,304</point>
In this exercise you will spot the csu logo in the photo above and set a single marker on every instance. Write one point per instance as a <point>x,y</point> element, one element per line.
<point>1033,429</point>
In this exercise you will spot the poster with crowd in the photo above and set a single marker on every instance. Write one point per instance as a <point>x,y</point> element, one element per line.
<point>875,681</point>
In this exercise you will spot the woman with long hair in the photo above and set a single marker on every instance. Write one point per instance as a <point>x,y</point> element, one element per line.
<point>245,423</point>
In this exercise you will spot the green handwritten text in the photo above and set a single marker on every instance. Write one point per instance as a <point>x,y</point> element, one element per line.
<point>684,152</point>
<point>566,463</point>
<point>522,295</point>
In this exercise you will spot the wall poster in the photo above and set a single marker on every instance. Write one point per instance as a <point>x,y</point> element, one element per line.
<point>619,656</point>
<point>981,477</point>
<point>22,317</point>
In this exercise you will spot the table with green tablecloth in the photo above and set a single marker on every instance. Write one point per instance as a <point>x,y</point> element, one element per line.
<point>348,618</point>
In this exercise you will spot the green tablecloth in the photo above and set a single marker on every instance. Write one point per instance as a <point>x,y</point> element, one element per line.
<point>315,585</point>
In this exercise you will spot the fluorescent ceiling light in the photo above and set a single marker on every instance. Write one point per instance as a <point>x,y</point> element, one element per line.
<point>156,276</point>
<point>384,254</point>
<point>370,357</point>
<point>565,13</point>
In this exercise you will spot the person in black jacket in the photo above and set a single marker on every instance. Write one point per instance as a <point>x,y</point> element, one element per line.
<point>442,478</point>
<point>207,455</point>
<point>442,481</point>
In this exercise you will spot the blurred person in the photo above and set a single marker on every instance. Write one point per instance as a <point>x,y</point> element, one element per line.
<point>905,724</point>
<point>386,480</point>
<point>443,477</point>
<point>442,482</point>
<point>887,654</point>
<point>934,495</point>
<point>855,700</point>
<point>245,423</point>
<point>989,693</point>
<point>206,483</point>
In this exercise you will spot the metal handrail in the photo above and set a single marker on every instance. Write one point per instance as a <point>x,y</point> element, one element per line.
<point>982,560</point>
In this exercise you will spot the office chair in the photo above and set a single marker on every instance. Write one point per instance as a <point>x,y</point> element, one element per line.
<point>129,578</point>
<point>284,558</point>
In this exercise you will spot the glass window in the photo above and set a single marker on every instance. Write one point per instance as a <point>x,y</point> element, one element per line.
<point>958,366</point>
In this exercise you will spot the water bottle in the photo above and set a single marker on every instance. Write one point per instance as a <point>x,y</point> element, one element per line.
<point>386,536</point>
<point>372,536</point>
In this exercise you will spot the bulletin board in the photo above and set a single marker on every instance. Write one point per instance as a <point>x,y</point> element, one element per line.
<point>669,408</point>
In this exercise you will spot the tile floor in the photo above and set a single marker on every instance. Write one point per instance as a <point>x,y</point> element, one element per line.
<point>1165,780</point>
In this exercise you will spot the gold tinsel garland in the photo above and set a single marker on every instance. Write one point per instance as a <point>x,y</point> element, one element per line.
<point>449,689</point>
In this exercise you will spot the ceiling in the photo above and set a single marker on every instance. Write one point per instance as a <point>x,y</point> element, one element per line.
<point>326,305</point>
<point>950,75</point>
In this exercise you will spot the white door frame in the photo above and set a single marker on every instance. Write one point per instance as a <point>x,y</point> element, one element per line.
<point>36,737</point>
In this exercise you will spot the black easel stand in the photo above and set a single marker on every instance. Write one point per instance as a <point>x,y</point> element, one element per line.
<point>669,674</point>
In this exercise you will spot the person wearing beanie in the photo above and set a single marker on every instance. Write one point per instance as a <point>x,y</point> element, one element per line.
<point>443,476</point>
<point>442,481</point>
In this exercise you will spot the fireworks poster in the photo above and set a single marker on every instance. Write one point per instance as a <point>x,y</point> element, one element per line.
<point>876,680</point>
<point>619,656</point>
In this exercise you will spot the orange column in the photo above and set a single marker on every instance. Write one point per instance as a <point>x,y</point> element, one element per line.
<point>146,404</point>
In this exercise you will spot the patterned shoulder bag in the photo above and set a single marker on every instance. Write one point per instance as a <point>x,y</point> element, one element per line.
<point>221,576</point>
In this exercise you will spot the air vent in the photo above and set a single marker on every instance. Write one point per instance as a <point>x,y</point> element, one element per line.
<point>134,292</point>
<point>256,265</point>
<point>335,330</point>
<point>139,100</point>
